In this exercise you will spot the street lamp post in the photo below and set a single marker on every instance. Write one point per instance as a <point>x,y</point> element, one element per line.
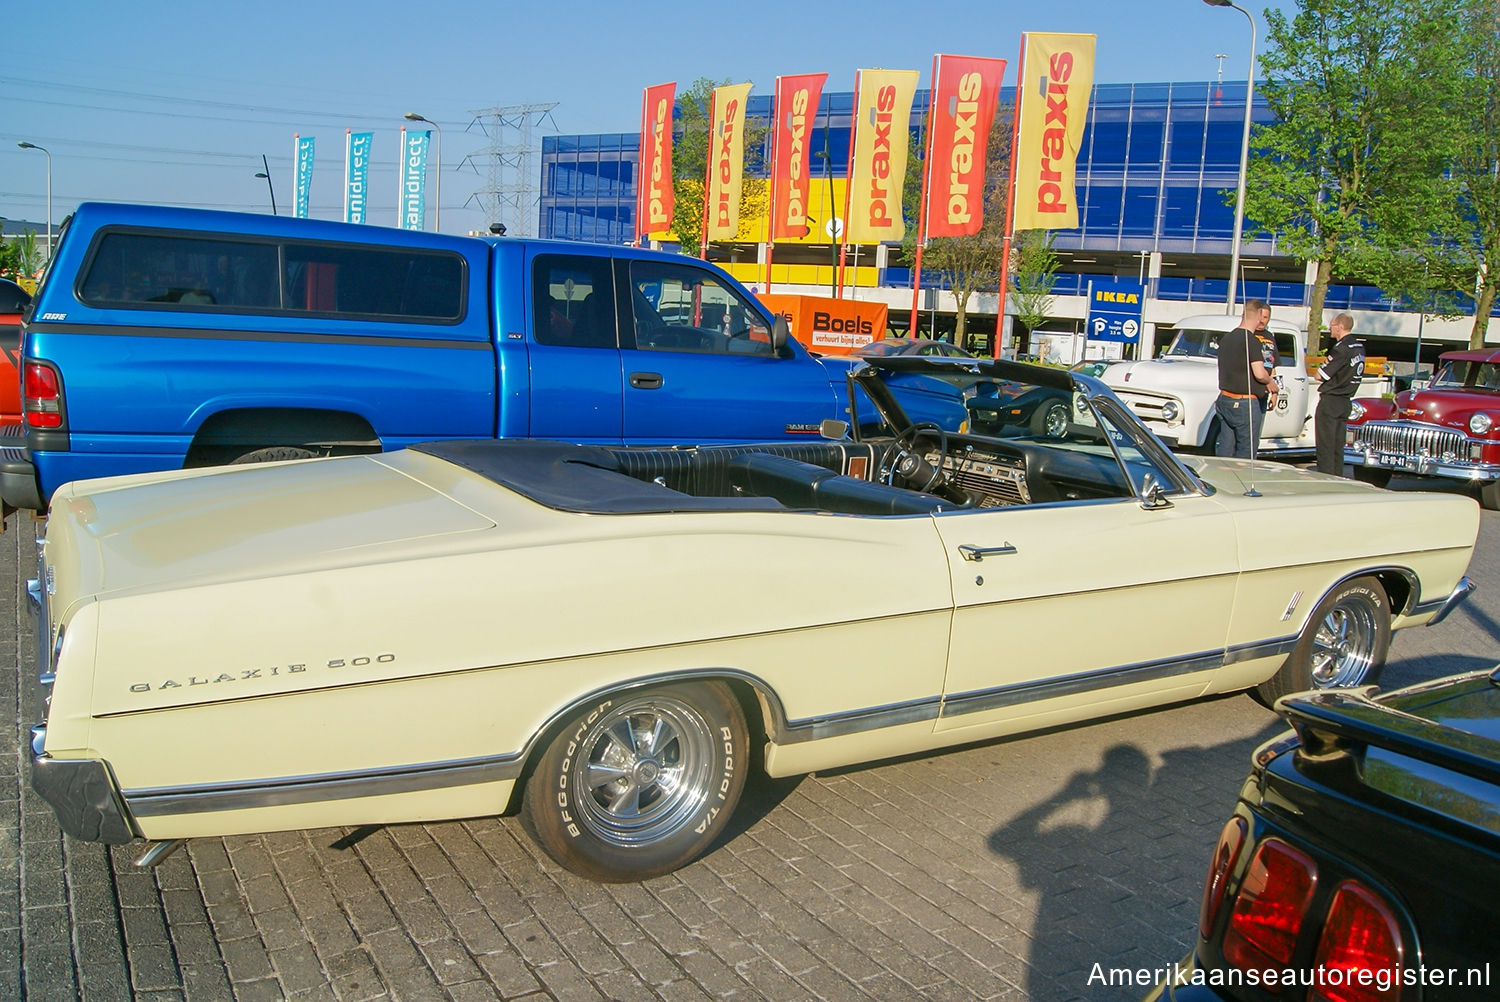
<point>33,146</point>
<point>437,154</point>
<point>267,175</point>
<point>1239,196</point>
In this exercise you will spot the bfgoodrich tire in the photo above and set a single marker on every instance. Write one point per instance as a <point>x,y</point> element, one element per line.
<point>640,783</point>
<point>1343,644</point>
<point>272,454</point>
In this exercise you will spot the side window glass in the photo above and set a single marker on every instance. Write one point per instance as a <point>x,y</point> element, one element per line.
<point>1141,469</point>
<point>374,282</point>
<point>573,301</point>
<point>682,308</point>
<point>130,269</point>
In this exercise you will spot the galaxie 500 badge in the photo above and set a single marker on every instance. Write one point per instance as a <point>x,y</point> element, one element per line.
<point>262,674</point>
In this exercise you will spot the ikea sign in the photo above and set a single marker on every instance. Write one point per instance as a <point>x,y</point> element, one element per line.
<point>1115,311</point>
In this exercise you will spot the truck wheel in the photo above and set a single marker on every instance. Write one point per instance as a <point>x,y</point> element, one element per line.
<point>1343,644</point>
<point>273,454</point>
<point>1489,495</point>
<point>640,783</point>
<point>1372,475</point>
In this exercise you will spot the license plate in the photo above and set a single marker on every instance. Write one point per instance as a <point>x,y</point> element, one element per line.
<point>1397,460</point>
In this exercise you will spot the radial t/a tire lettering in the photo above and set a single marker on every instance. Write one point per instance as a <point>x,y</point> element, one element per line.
<point>639,783</point>
<point>1343,644</point>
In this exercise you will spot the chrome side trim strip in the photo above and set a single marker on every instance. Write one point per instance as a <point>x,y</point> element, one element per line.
<point>981,700</point>
<point>284,792</point>
<point>856,721</point>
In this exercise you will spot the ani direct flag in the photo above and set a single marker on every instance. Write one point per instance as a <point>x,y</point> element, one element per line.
<point>726,161</point>
<point>356,174</point>
<point>796,108</point>
<point>881,127</point>
<point>412,207</point>
<point>1057,77</point>
<point>302,157</point>
<point>654,198</point>
<point>967,90</point>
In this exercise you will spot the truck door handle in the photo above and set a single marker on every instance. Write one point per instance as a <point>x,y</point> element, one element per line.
<point>646,380</point>
<point>977,553</point>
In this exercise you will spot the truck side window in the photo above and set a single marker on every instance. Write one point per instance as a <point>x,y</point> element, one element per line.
<point>573,301</point>
<point>136,269</point>
<point>682,308</point>
<point>373,282</point>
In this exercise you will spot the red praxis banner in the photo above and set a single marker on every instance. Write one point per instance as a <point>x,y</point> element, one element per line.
<point>654,198</point>
<point>967,89</point>
<point>796,108</point>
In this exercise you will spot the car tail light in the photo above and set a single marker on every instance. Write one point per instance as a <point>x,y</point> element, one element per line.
<point>1226,854</point>
<point>1360,934</point>
<point>42,391</point>
<point>1270,907</point>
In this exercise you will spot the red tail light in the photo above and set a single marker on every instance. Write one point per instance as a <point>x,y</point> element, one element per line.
<point>1271,905</point>
<point>1226,854</point>
<point>1361,934</point>
<point>42,391</point>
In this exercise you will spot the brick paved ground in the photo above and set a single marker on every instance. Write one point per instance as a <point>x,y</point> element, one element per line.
<point>1002,871</point>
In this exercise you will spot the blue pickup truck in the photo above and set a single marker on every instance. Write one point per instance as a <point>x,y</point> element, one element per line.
<point>164,338</point>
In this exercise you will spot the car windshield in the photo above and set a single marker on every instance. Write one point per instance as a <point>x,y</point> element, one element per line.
<point>1195,343</point>
<point>890,346</point>
<point>1037,410</point>
<point>1458,373</point>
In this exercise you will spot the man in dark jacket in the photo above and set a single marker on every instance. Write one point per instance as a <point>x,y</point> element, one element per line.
<point>1338,379</point>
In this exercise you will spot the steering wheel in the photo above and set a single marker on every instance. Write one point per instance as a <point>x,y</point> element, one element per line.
<point>904,461</point>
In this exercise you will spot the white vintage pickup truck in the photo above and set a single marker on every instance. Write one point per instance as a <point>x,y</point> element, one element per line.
<point>1174,394</point>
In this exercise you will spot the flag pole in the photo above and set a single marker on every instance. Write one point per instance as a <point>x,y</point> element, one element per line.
<point>916,276</point>
<point>775,161</point>
<point>708,169</point>
<point>848,188</point>
<point>1010,199</point>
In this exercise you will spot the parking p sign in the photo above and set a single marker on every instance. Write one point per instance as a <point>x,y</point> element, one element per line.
<point>1115,311</point>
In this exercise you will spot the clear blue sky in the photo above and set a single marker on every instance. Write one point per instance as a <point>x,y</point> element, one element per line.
<point>174,102</point>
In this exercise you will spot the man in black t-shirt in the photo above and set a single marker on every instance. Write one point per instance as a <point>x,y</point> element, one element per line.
<point>1246,386</point>
<point>1338,379</point>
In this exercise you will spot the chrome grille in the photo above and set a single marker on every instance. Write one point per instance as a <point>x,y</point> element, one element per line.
<point>1414,440</point>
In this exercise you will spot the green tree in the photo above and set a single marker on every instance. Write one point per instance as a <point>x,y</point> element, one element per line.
<point>1449,263</point>
<point>966,264</point>
<point>690,162</point>
<point>1352,101</point>
<point>1033,266</point>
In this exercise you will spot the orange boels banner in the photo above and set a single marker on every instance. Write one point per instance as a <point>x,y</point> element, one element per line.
<point>796,107</point>
<point>967,91</point>
<point>830,326</point>
<point>654,199</point>
<point>1057,77</point>
<point>726,161</point>
<point>878,165</point>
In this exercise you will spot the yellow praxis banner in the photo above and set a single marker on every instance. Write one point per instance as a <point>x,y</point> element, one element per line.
<point>1057,77</point>
<point>881,129</point>
<point>726,160</point>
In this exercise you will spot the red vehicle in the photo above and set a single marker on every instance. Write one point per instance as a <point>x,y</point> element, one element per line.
<point>13,299</point>
<point>1449,429</point>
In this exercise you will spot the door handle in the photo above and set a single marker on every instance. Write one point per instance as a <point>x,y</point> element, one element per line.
<point>646,380</point>
<point>977,553</point>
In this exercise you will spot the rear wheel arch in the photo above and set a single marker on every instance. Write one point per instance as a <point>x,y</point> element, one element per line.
<point>232,434</point>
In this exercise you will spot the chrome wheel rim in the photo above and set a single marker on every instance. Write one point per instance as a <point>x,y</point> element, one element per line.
<point>1057,421</point>
<point>643,771</point>
<point>1343,646</point>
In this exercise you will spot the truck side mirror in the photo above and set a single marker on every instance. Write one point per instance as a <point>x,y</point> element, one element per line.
<point>781,333</point>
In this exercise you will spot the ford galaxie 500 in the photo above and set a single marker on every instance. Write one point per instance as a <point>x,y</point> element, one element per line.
<point>609,640</point>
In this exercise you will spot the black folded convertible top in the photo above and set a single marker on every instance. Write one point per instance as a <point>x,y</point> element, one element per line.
<point>581,478</point>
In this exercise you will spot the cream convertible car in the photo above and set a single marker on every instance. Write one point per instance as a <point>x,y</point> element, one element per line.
<point>611,639</point>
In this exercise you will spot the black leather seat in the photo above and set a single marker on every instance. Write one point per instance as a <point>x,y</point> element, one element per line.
<point>803,485</point>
